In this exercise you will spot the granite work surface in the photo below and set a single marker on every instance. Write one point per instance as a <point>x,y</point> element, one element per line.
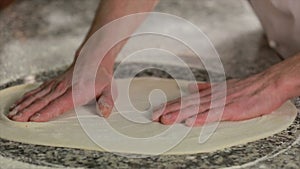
<point>278,151</point>
<point>40,37</point>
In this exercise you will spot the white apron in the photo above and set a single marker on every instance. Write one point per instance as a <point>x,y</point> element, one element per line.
<point>281,21</point>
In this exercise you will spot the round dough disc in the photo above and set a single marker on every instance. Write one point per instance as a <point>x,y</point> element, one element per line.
<point>66,131</point>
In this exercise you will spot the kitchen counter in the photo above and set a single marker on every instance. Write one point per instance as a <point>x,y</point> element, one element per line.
<point>278,151</point>
<point>38,38</point>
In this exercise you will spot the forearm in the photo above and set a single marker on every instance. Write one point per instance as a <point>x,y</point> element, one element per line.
<point>110,10</point>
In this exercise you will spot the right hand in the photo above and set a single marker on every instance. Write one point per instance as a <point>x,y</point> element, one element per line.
<point>54,97</point>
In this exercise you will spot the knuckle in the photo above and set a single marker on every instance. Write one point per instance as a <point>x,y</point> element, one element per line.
<point>233,95</point>
<point>45,84</point>
<point>24,111</point>
<point>60,88</point>
<point>30,98</point>
<point>42,101</point>
<point>27,94</point>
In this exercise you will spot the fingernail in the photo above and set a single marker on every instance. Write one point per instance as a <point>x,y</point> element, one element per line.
<point>17,116</point>
<point>156,115</point>
<point>190,122</point>
<point>167,116</point>
<point>165,119</point>
<point>12,113</point>
<point>101,101</point>
<point>12,106</point>
<point>158,111</point>
<point>35,116</point>
<point>104,110</point>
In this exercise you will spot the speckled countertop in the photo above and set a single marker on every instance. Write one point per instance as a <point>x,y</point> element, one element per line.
<point>37,36</point>
<point>278,151</point>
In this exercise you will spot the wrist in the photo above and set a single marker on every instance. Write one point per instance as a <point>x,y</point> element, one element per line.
<point>285,86</point>
<point>108,64</point>
<point>286,77</point>
<point>291,86</point>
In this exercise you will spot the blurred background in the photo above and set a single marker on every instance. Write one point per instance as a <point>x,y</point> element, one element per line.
<point>38,36</point>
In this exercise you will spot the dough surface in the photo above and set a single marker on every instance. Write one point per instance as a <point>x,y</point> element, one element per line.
<point>66,131</point>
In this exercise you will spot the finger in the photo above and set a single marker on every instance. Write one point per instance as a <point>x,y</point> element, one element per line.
<point>55,108</point>
<point>30,93</point>
<point>220,87</point>
<point>177,104</point>
<point>210,116</point>
<point>30,100</point>
<point>196,120</point>
<point>34,91</point>
<point>179,116</point>
<point>188,101</point>
<point>39,104</point>
<point>197,87</point>
<point>24,97</point>
<point>105,102</point>
<point>161,109</point>
<point>216,87</point>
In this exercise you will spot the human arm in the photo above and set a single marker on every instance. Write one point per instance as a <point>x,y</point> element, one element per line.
<point>55,96</point>
<point>247,98</point>
<point>110,10</point>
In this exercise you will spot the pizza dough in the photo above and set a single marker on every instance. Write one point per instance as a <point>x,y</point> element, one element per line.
<point>140,136</point>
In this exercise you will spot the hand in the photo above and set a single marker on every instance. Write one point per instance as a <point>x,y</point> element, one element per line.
<point>245,99</point>
<point>54,97</point>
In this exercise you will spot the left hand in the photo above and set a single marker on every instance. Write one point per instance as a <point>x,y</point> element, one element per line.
<point>245,99</point>
<point>55,97</point>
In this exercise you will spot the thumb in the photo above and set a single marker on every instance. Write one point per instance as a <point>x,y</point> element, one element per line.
<point>105,103</point>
